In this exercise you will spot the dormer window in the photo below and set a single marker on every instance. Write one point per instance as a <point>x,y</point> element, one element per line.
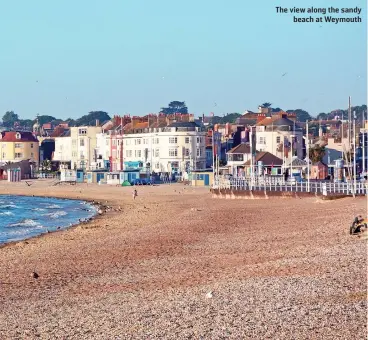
<point>18,136</point>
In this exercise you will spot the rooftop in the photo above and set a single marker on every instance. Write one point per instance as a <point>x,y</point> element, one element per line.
<point>11,136</point>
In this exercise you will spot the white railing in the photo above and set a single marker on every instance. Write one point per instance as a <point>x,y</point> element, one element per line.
<point>279,184</point>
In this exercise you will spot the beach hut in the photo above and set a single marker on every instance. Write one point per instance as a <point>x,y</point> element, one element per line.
<point>96,176</point>
<point>319,170</point>
<point>129,175</point>
<point>113,178</point>
<point>67,175</point>
<point>201,178</point>
<point>80,176</point>
<point>14,175</point>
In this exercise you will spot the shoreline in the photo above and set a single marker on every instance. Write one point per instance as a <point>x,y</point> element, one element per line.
<point>96,205</point>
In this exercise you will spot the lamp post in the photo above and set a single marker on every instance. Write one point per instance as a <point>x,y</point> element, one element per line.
<point>291,160</point>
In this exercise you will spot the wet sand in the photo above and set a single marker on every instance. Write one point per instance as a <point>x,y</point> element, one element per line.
<point>277,269</point>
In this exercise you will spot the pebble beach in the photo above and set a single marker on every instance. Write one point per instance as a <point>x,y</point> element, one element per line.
<point>176,263</point>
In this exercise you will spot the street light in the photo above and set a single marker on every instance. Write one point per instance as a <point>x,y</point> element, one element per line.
<point>291,161</point>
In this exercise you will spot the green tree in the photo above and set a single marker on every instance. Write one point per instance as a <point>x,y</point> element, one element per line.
<point>322,116</point>
<point>175,107</point>
<point>10,118</point>
<point>316,153</point>
<point>26,123</point>
<point>301,115</point>
<point>45,119</point>
<point>91,118</point>
<point>266,105</point>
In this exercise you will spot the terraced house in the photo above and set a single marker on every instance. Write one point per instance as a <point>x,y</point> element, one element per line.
<point>17,146</point>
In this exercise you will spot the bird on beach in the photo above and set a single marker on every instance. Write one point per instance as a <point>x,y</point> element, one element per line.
<point>209,295</point>
<point>35,275</point>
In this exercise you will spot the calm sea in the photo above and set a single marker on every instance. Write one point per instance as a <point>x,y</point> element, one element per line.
<point>23,217</point>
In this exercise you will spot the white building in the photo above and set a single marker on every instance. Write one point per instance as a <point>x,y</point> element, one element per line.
<point>175,148</point>
<point>63,148</point>
<point>237,156</point>
<point>84,142</point>
<point>279,136</point>
<point>103,149</point>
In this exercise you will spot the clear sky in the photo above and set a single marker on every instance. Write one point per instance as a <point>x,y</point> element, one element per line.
<point>66,58</point>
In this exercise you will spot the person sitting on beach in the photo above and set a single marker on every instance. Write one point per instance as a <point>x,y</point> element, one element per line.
<point>135,194</point>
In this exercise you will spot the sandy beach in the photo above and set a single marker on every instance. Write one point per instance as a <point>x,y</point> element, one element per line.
<point>177,264</point>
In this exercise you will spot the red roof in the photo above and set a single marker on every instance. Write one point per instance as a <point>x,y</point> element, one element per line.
<point>10,136</point>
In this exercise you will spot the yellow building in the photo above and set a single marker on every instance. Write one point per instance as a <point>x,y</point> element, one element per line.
<point>16,146</point>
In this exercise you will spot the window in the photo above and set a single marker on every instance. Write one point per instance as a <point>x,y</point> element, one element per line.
<point>32,155</point>
<point>173,152</point>
<point>157,153</point>
<point>262,140</point>
<point>4,154</point>
<point>74,154</point>
<point>74,142</point>
<point>118,142</point>
<point>138,153</point>
<point>173,140</point>
<point>198,152</point>
<point>187,152</point>
<point>157,166</point>
<point>31,145</point>
<point>129,153</point>
<point>278,139</point>
<point>186,140</point>
<point>107,142</point>
<point>199,140</point>
<point>81,142</point>
<point>19,145</point>
<point>137,142</point>
<point>82,132</point>
<point>18,155</point>
<point>156,141</point>
<point>18,136</point>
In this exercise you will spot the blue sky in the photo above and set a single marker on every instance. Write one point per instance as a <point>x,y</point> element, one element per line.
<point>66,58</point>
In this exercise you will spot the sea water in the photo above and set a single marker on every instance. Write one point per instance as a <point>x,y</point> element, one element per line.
<point>22,217</point>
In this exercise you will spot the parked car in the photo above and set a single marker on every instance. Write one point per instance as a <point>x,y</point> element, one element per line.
<point>137,181</point>
<point>146,181</point>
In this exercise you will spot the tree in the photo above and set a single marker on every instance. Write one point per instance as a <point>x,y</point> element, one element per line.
<point>316,153</point>
<point>266,105</point>
<point>10,118</point>
<point>44,119</point>
<point>92,117</point>
<point>46,166</point>
<point>301,115</point>
<point>175,107</point>
<point>26,123</point>
<point>322,116</point>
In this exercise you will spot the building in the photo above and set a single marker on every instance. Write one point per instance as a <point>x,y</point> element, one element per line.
<point>164,144</point>
<point>63,148</point>
<point>236,157</point>
<point>102,151</point>
<point>17,146</point>
<point>280,136</point>
<point>83,148</point>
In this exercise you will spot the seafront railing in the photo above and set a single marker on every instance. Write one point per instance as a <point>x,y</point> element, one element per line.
<point>279,184</point>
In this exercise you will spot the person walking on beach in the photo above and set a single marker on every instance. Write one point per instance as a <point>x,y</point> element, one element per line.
<point>135,194</point>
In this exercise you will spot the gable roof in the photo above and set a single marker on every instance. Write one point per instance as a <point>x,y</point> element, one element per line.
<point>267,158</point>
<point>242,148</point>
<point>11,136</point>
<point>297,162</point>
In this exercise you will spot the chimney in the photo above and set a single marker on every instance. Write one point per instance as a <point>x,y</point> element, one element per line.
<point>97,122</point>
